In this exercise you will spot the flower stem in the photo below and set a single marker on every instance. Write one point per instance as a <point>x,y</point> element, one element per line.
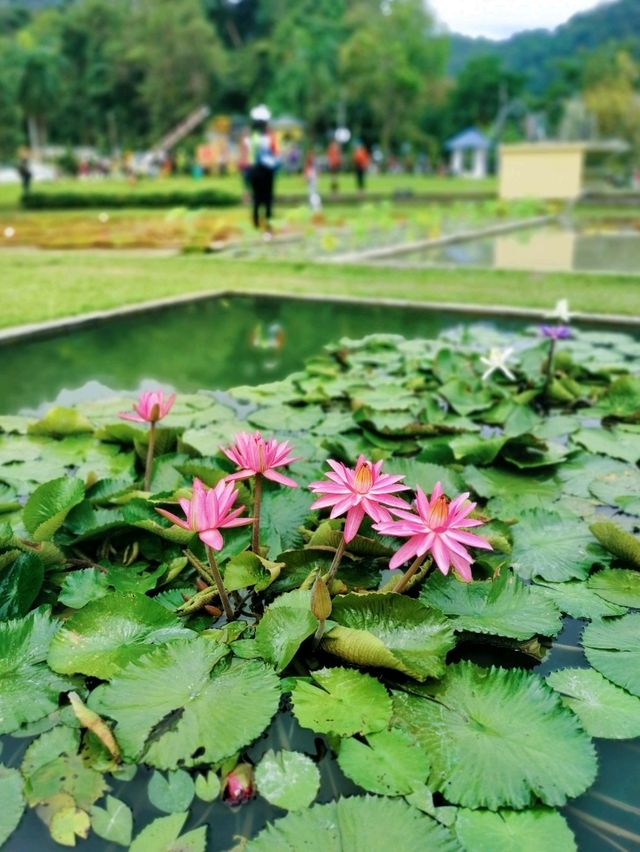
<point>200,569</point>
<point>404,580</point>
<point>257,497</point>
<point>150,448</point>
<point>549,369</point>
<point>317,636</point>
<point>215,573</point>
<point>337,559</point>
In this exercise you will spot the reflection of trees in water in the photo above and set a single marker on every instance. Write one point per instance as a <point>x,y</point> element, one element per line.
<point>203,345</point>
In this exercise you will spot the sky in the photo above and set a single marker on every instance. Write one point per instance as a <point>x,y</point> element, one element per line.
<point>501,18</point>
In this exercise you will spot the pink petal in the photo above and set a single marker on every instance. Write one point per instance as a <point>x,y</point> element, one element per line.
<point>440,555</point>
<point>407,551</point>
<point>354,519</point>
<point>241,474</point>
<point>323,502</point>
<point>130,415</point>
<point>179,522</point>
<point>343,505</point>
<point>212,538</point>
<point>278,477</point>
<point>470,539</point>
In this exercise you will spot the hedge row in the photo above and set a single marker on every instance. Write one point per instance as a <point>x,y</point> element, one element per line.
<point>66,200</point>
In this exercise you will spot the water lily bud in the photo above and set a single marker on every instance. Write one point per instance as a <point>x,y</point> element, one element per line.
<point>238,785</point>
<point>320,600</point>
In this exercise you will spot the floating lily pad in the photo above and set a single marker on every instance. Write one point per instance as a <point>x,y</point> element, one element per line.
<point>172,792</point>
<point>576,599</point>
<point>618,586</point>
<point>355,823</point>
<point>114,822</point>
<point>50,504</point>
<point>498,738</point>
<point>535,830</point>
<point>164,834</point>
<point>106,634</point>
<point>548,545</point>
<point>613,648</point>
<point>388,763</point>
<point>12,802</point>
<point>284,627</point>
<point>180,706</point>
<point>504,606</point>
<point>24,644</point>
<point>342,702</point>
<point>288,779</point>
<point>390,631</point>
<point>605,710</point>
<point>617,443</point>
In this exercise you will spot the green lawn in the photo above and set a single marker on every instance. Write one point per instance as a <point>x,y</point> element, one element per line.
<point>39,286</point>
<point>286,185</point>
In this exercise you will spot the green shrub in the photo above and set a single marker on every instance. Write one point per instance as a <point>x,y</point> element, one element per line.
<point>69,200</point>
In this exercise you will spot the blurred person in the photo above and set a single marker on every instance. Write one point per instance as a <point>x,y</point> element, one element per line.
<point>311,176</point>
<point>244,163</point>
<point>264,163</point>
<point>360,165</point>
<point>24,170</point>
<point>334,163</point>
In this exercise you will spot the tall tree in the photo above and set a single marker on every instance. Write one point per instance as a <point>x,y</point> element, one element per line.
<point>392,66</point>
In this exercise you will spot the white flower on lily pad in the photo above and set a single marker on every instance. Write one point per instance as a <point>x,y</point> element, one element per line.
<point>497,360</point>
<point>561,311</point>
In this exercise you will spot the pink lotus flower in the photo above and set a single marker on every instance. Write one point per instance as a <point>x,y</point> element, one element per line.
<point>437,527</point>
<point>209,511</point>
<point>151,407</point>
<point>238,785</point>
<point>256,456</point>
<point>358,491</point>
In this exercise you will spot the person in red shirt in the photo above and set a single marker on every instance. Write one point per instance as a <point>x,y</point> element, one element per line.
<point>360,164</point>
<point>334,163</point>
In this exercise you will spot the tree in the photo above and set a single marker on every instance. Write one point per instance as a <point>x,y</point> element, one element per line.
<point>481,89</point>
<point>392,66</point>
<point>610,94</point>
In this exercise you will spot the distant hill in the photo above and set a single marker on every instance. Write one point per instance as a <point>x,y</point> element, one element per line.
<point>535,52</point>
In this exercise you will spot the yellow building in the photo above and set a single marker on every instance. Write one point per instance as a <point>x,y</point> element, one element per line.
<point>552,170</point>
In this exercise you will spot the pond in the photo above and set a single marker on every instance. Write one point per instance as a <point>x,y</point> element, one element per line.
<point>552,248</point>
<point>212,344</point>
<point>247,341</point>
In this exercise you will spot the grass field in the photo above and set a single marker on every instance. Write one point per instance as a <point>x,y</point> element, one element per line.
<point>39,286</point>
<point>286,185</point>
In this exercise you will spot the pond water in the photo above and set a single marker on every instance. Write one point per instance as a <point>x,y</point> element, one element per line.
<point>217,344</point>
<point>212,344</point>
<point>552,248</point>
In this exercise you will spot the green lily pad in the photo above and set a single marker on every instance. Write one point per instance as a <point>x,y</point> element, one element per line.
<point>613,648</point>
<point>287,622</point>
<point>49,505</point>
<point>114,822</point>
<point>535,830</point>
<point>505,606</point>
<point>576,599</point>
<point>24,644</point>
<point>12,802</point>
<point>67,824</point>
<point>208,786</point>
<point>617,585</point>
<point>390,631</point>
<point>553,547</point>
<point>171,793</point>
<point>498,738</point>
<point>20,584</point>
<point>287,779</point>
<point>605,710</point>
<point>617,443</point>
<point>180,706</point>
<point>388,763</point>
<point>342,702</point>
<point>350,824</point>
<point>106,634</point>
<point>163,835</point>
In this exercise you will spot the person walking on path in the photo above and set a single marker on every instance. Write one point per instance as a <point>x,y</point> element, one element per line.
<point>311,175</point>
<point>263,158</point>
<point>360,164</point>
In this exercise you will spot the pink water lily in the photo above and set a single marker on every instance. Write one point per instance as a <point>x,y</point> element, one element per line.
<point>209,511</point>
<point>256,456</point>
<point>438,527</point>
<point>150,407</point>
<point>358,491</point>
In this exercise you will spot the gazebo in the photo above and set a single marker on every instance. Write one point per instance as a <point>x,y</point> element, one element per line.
<point>468,153</point>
